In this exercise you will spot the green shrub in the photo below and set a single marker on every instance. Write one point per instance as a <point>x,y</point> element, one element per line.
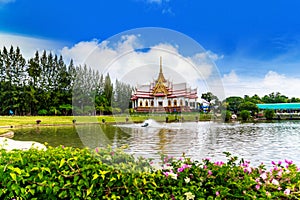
<point>42,112</point>
<point>54,111</point>
<point>226,115</point>
<point>269,114</point>
<point>245,115</point>
<point>116,110</point>
<point>71,173</point>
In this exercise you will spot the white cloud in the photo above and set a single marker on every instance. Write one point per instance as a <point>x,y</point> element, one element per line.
<point>28,45</point>
<point>271,82</point>
<point>121,60</point>
<point>231,77</point>
<point>6,1</point>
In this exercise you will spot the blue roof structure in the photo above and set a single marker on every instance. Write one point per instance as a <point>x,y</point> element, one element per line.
<point>279,106</point>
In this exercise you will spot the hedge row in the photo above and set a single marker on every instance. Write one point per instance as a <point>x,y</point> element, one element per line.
<point>71,173</point>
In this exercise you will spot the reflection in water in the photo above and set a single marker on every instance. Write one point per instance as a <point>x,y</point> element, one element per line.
<point>261,142</point>
<point>255,142</point>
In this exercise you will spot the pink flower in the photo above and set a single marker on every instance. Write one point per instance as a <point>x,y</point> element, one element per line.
<point>264,176</point>
<point>257,180</point>
<point>289,162</point>
<point>184,166</point>
<point>219,163</point>
<point>217,193</point>
<point>279,188</point>
<point>180,169</point>
<point>209,172</point>
<point>257,186</point>
<point>97,150</point>
<point>287,191</point>
<point>273,163</point>
<point>204,167</point>
<point>275,182</point>
<point>166,173</point>
<point>279,162</point>
<point>245,164</point>
<point>248,169</point>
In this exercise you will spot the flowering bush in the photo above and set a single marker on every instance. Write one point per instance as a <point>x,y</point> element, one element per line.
<point>231,180</point>
<point>70,173</point>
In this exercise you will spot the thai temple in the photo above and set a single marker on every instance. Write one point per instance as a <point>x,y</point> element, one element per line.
<point>162,95</point>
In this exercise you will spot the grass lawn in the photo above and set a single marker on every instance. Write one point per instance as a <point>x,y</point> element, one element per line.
<point>7,121</point>
<point>4,130</point>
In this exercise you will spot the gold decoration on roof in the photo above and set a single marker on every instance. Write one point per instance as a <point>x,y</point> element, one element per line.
<point>160,87</point>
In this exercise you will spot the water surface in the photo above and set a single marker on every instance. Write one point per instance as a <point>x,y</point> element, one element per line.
<point>259,142</point>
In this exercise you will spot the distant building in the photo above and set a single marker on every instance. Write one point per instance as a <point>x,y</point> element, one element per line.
<point>279,106</point>
<point>164,96</point>
<point>282,110</point>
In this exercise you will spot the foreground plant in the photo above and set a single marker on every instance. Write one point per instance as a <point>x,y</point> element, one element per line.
<point>106,173</point>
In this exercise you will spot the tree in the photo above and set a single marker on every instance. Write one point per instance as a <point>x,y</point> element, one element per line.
<point>207,96</point>
<point>226,115</point>
<point>122,94</point>
<point>275,98</point>
<point>255,99</point>
<point>251,107</point>
<point>245,115</point>
<point>269,114</point>
<point>233,103</point>
<point>294,100</point>
<point>108,90</point>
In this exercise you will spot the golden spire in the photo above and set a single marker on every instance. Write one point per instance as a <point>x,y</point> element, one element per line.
<point>161,77</point>
<point>160,87</point>
<point>160,70</point>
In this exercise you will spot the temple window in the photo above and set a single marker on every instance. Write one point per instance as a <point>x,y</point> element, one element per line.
<point>160,103</point>
<point>152,103</point>
<point>169,103</point>
<point>141,103</point>
<point>181,102</point>
<point>175,102</point>
<point>146,103</point>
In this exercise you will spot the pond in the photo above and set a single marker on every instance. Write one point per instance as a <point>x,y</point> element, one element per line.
<point>257,142</point>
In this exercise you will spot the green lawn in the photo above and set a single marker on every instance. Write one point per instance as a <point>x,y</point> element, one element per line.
<point>7,121</point>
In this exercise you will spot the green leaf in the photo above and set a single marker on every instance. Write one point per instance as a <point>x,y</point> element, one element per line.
<point>95,176</point>
<point>34,169</point>
<point>32,191</point>
<point>103,173</point>
<point>47,169</point>
<point>13,176</point>
<point>62,162</point>
<point>88,192</point>
<point>18,170</point>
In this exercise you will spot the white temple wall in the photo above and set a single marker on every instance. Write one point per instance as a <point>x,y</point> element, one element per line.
<point>160,99</point>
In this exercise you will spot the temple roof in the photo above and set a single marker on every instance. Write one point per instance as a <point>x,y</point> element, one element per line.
<point>161,77</point>
<point>160,88</point>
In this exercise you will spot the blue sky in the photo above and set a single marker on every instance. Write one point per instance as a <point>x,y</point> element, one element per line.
<point>257,42</point>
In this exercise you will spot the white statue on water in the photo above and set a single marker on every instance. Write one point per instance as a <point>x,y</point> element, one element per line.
<point>10,144</point>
